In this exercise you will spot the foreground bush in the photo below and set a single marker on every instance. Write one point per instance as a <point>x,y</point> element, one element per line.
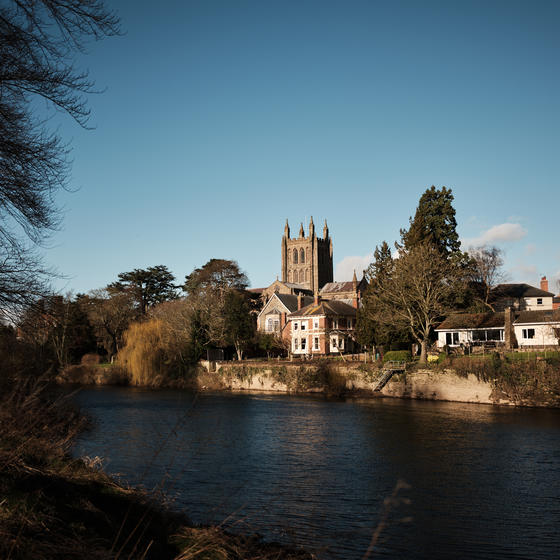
<point>397,356</point>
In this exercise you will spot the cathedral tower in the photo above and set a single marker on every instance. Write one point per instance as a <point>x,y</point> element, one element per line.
<point>307,261</point>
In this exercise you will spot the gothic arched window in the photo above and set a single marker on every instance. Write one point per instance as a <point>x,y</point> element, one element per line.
<point>295,256</point>
<point>306,275</point>
<point>289,275</point>
<point>302,256</point>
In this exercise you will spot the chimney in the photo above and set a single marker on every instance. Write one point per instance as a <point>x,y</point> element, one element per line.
<point>282,321</point>
<point>544,284</point>
<point>317,298</point>
<point>509,334</point>
<point>299,301</point>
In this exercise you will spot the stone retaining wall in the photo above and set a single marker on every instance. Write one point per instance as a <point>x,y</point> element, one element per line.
<point>351,379</point>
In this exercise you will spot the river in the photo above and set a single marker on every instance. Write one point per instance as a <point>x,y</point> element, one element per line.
<point>468,481</point>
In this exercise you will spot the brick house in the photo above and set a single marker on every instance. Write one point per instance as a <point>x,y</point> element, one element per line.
<point>322,328</point>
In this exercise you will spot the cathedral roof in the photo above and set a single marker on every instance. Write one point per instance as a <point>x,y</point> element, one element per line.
<point>337,287</point>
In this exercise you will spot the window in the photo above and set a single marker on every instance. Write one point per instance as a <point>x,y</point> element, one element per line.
<point>295,256</point>
<point>306,275</point>
<point>296,325</point>
<point>316,343</point>
<point>289,276</point>
<point>301,256</point>
<point>303,343</point>
<point>296,343</point>
<point>452,339</point>
<point>272,323</point>
<point>528,333</point>
<point>315,323</point>
<point>539,301</point>
<point>303,326</point>
<point>333,342</point>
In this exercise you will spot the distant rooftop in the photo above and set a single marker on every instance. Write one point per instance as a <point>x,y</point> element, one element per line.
<point>518,291</point>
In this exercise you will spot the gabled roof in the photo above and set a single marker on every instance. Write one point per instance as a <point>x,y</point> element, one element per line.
<point>329,308</point>
<point>539,316</point>
<point>283,303</point>
<point>472,321</point>
<point>291,301</point>
<point>518,291</point>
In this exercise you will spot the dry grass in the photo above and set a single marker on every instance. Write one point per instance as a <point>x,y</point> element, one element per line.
<point>212,543</point>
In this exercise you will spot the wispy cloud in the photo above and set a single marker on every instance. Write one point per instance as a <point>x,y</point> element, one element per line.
<point>501,233</point>
<point>530,249</point>
<point>345,268</point>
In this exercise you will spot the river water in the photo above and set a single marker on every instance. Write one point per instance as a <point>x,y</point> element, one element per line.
<point>426,480</point>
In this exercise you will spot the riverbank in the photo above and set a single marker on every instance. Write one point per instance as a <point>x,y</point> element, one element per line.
<point>55,506</point>
<point>482,381</point>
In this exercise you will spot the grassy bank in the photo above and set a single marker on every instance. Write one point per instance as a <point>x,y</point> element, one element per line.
<point>54,506</point>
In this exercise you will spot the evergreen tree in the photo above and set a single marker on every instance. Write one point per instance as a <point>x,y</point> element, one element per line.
<point>148,286</point>
<point>434,221</point>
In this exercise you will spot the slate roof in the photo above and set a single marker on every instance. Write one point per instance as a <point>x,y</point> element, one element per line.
<point>518,291</point>
<point>460,321</point>
<point>472,321</point>
<point>333,287</point>
<point>539,316</point>
<point>290,300</point>
<point>329,308</point>
<point>336,287</point>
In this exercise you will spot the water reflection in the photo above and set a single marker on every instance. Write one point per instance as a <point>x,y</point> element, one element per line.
<point>485,481</point>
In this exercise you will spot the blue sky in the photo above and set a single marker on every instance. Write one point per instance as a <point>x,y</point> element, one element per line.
<point>221,119</point>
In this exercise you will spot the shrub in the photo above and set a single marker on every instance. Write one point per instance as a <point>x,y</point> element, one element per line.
<point>398,356</point>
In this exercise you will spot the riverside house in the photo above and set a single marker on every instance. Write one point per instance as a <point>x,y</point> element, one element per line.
<point>508,329</point>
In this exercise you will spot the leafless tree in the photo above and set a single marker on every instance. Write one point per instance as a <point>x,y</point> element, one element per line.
<point>110,315</point>
<point>486,271</point>
<point>38,42</point>
<point>416,292</point>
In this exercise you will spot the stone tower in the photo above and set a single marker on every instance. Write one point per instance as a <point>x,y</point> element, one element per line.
<point>307,261</point>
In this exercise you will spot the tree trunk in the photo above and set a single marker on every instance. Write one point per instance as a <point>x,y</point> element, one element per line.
<point>239,351</point>
<point>424,352</point>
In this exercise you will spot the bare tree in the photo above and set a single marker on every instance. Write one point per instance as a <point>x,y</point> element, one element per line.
<point>38,41</point>
<point>486,271</point>
<point>416,292</point>
<point>109,315</point>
